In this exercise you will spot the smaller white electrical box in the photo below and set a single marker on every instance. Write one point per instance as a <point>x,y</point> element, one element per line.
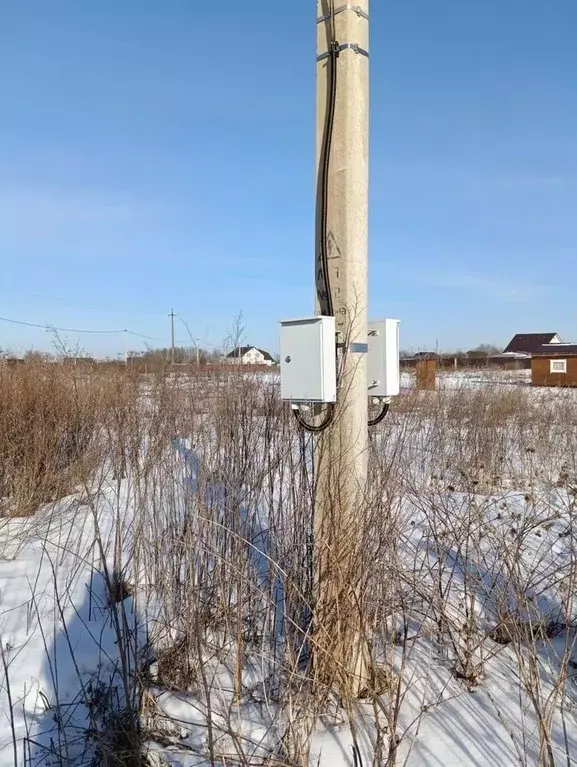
<point>383,373</point>
<point>308,369</point>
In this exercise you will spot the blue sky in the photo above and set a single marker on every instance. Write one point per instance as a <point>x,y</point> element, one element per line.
<point>157,155</point>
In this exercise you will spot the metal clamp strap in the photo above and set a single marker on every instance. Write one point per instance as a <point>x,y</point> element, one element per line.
<point>355,347</point>
<point>348,7</point>
<point>343,47</point>
<point>358,348</point>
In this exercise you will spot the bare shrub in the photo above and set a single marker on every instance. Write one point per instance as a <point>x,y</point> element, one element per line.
<point>48,418</point>
<point>201,494</point>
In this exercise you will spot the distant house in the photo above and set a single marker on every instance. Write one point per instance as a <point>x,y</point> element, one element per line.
<point>510,361</point>
<point>12,361</point>
<point>425,356</point>
<point>477,354</point>
<point>530,343</point>
<point>250,355</point>
<point>554,364</point>
<point>77,360</point>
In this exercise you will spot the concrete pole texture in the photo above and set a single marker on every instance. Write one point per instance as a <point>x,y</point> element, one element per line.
<point>342,451</point>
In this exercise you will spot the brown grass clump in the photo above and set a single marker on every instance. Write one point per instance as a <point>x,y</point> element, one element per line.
<point>48,417</point>
<point>211,489</point>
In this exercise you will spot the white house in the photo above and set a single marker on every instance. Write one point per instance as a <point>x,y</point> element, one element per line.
<point>250,355</point>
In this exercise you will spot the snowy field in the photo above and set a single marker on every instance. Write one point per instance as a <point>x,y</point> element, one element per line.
<point>153,608</point>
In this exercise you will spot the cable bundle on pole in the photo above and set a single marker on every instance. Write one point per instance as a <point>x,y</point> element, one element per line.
<point>326,299</point>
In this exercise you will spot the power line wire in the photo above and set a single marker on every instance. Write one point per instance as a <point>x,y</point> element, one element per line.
<point>47,326</point>
<point>195,340</point>
<point>201,345</point>
<point>113,331</point>
<point>140,335</point>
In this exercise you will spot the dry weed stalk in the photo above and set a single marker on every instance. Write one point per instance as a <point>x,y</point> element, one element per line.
<point>201,490</point>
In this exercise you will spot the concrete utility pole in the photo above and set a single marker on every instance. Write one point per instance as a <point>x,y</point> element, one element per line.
<point>338,646</point>
<point>172,316</point>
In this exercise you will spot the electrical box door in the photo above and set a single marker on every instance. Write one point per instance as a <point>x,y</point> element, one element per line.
<point>308,360</point>
<point>383,369</point>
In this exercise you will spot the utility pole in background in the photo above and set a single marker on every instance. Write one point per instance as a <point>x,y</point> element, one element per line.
<point>341,282</point>
<point>172,316</point>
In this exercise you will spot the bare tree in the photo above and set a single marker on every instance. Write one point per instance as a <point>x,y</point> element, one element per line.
<point>236,334</point>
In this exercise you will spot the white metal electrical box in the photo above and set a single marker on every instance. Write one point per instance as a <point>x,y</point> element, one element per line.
<point>383,373</point>
<point>308,371</point>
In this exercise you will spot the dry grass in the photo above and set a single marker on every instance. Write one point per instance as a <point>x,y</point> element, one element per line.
<point>48,422</point>
<point>187,538</point>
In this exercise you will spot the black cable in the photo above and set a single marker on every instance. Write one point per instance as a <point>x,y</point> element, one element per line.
<point>334,51</point>
<point>322,200</point>
<point>381,415</point>
<point>324,189</point>
<point>316,428</point>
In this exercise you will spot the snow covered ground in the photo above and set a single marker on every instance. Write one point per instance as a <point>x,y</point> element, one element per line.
<point>475,638</point>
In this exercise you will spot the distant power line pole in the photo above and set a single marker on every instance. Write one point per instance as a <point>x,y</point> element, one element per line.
<point>172,315</point>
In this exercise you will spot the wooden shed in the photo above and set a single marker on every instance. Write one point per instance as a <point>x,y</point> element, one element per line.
<point>555,365</point>
<point>426,374</point>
